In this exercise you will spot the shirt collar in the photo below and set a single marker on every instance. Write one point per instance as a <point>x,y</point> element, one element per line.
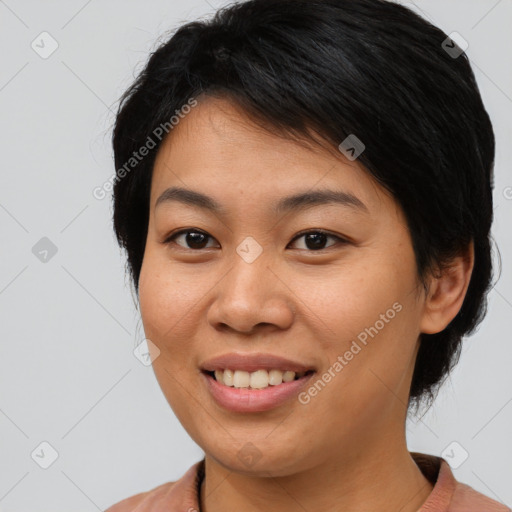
<point>183,495</point>
<point>438,472</point>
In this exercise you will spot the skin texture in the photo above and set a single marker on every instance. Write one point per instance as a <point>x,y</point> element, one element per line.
<point>345,449</point>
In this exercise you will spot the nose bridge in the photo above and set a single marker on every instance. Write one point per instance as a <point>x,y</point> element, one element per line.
<point>249,275</point>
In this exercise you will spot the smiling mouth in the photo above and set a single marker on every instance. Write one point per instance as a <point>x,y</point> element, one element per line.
<point>260,379</point>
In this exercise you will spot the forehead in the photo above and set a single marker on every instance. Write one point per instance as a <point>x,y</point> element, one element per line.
<point>219,149</point>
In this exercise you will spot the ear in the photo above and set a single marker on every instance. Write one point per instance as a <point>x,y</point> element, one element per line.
<point>446,292</point>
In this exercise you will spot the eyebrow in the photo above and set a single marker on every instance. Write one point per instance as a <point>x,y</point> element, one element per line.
<point>298,201</point>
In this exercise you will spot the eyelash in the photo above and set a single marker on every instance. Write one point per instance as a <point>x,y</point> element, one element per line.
<point>170,238</point>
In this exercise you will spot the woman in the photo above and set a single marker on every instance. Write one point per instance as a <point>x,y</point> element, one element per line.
<point>304,192</point>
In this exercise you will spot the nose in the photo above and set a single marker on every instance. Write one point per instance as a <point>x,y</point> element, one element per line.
<point>251,297</point>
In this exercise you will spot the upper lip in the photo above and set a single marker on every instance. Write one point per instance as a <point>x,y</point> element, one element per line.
<point>253,362</point>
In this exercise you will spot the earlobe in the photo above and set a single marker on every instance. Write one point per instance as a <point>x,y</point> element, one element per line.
<point>446,293</point>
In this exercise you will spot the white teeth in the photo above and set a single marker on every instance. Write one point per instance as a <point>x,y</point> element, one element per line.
<point>241,379</point>
<point>259,379</point>
<point>255,380</point>
<point>288,376</point>
<point>227,378</point>
<point>275,377</point>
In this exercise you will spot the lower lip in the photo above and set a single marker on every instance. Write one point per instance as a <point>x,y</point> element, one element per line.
<point>254,400</point>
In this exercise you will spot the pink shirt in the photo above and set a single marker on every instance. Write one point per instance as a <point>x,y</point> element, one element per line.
<point>448,495</point>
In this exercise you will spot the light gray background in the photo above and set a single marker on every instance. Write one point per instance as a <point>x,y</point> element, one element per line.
<point>68,375</point>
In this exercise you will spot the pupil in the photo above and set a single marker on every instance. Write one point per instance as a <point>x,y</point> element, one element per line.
<point>195,238</point>
<point>317,239</point>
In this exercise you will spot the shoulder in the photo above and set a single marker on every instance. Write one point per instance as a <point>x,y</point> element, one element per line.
<point>168,496</point>
<point>466,499</point>
<point>448,494</point>
<point>142,501</point>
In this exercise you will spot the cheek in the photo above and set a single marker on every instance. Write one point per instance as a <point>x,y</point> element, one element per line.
<point>166,305</point>
<point>369,318</point>
<point>154,301</point>
<point>166,312</point>
<point>162,294</point>
<point>350,298</point>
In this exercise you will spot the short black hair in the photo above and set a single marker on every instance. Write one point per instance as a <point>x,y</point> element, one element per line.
<point>369,68</point>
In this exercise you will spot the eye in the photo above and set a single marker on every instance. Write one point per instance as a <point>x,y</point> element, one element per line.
<point>315,239</point>
<point>194,238</point>
<point>197,240</point>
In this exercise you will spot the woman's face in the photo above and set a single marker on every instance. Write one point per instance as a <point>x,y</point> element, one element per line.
<point>248,280</point>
